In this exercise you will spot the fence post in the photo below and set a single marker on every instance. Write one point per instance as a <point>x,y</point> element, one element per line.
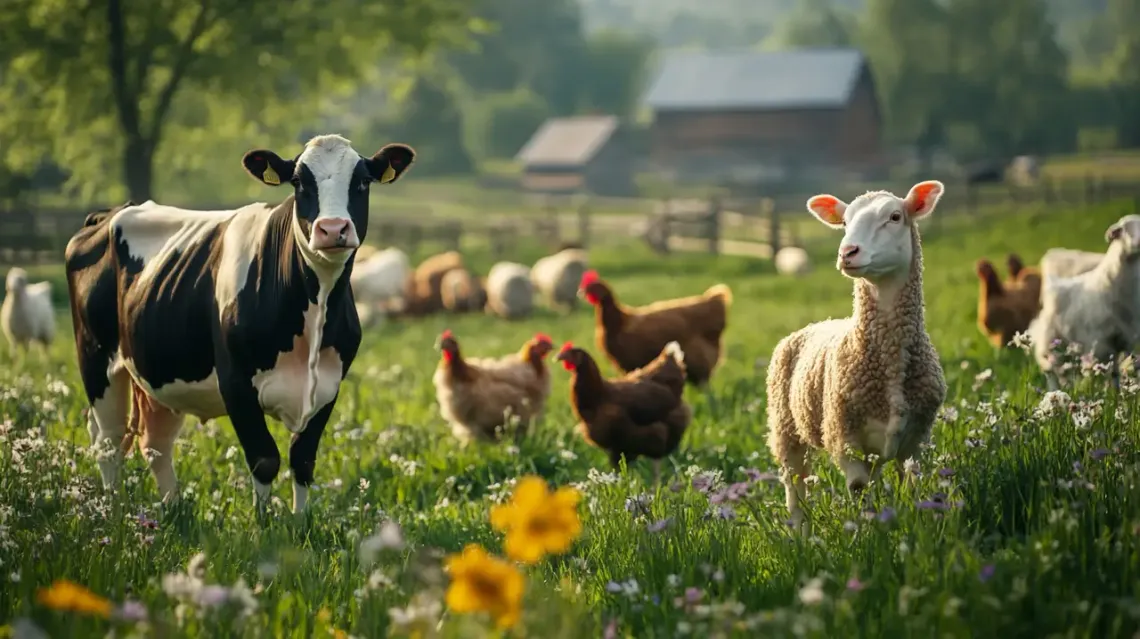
<point>713,222</point>
<point>773,225</point>
<point>584,223</point>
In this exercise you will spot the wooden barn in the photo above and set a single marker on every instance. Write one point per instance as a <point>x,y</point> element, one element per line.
<point>761,116</point>
<point>581,154</point>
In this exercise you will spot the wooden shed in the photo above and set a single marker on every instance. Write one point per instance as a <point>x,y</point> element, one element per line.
<point>776,115</point>
<point>581,154</point>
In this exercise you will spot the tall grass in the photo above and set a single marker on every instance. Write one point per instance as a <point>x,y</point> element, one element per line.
<point>1022,519</point>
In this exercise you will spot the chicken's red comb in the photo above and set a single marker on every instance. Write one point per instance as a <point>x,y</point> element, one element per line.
<point>565,347</point>
<point>589,277</point>
<point>446,334</point>
<point>543,337</point>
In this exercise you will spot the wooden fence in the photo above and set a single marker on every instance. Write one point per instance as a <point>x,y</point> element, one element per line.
<point>754,226</point>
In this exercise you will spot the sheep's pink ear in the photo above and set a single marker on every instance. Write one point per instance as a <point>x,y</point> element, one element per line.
<point>828,208</point>
<point>923,197</point>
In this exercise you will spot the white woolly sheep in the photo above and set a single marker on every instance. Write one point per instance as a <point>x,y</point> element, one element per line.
<point>1063,262</point>
<point>792,260</point>
<point>26,315</point>
<point>870,383</point>
<point>556,277</point>
<point>509,292</point>
<point>1098,310</point>
<point>379,281</point>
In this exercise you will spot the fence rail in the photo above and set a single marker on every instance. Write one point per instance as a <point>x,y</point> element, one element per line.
<point>750,225</point>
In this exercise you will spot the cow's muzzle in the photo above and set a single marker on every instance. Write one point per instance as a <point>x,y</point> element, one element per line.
<point>333,233</point>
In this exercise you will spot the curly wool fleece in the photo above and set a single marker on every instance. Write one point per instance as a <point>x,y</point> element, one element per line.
<point>853,382</point>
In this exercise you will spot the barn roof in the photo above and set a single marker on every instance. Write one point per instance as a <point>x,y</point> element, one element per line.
<point>762,80</point>
<point>568,141</point>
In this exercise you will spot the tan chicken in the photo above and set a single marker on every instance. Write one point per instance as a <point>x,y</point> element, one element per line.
<point>481,397</point>
<point>641,414</point>
<point>633,337</point>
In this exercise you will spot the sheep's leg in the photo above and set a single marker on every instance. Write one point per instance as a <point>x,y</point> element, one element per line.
<point>794,467</point>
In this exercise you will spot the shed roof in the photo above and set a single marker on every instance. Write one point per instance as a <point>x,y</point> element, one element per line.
<point>568,141</point>
<point>762,80</point>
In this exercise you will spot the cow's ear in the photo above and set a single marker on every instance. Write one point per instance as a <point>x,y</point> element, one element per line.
<point>390,162</point>
<point>268,167</point>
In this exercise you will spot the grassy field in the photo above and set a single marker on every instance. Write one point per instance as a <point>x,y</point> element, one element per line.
<point>1024,522</point>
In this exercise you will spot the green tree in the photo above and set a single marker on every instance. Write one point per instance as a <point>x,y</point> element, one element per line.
<point>96,84</point>
<point>813,23</point>
<point>1123,68</point>
<point>501,123</point>
<point>613,78</point>
<point>1010,75</point>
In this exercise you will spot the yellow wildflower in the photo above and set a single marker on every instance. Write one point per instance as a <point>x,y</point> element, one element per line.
<point>537,521</point>
<point>68,595</point>
<point>482,583</point>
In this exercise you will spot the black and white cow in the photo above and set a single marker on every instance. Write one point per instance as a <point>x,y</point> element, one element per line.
<point>244,313</point>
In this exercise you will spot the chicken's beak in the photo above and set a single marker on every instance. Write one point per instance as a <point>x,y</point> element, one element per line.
<point>560,357</point>
<point>581,293</point>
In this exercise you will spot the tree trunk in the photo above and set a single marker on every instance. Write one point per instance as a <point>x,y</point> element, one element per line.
<point>138,168</point>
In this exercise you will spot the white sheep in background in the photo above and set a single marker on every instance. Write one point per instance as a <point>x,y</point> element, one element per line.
<point>26,314</point>
<point>792,260</point>
<point>1097,310</point>
<point>556,277</point>
<point>509,292</point>
<point>870,383</point>
<point>379,281</point>
<point>1063,262</point>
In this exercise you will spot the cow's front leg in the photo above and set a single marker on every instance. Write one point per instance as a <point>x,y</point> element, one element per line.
<point>303,455</point>
<point>261,452</point>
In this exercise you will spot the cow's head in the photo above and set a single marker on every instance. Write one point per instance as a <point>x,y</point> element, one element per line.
<point>330,182</point>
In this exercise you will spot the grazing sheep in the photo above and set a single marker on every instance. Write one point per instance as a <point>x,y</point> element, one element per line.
<point>1097,310</point>
<point>556,277</point>
<point>1063,262</point>
<point>423,293</point>
<point>378,282</point>
<point>792,260</point>
<point>461,291</point>
<point>510,294</point>
<point>870,383</point>
<point>26,314</point>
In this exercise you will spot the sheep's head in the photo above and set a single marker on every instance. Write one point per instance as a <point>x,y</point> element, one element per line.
<point>17,280</point>
<point>877,228</point>
<point>1126,230</point>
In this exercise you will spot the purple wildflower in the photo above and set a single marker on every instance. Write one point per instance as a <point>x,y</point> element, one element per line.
<point>693,594</point>
<point>702,482</point>
<point>854,585</point>
<point>752,474</point>
<point>888,514</point>
<point>146,522</point>
<point>1077,467</point>
<point>611,630</point>
<point>726,512</point>
<point>131,611</point>
<point>933,504</point>
<point>676,487</point>
<point>986,573</point>
<point>1099,454</point>
<point>737,491</point>
<point>945,472</point>
<point>658,526</point>
<point>613,587</point>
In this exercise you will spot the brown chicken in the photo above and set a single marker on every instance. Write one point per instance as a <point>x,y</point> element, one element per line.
<point>423,293</point>
<point>633,337</point>
<point>480,397</point>
<point>1004,311</point>
<point>1022,276</point>
<point>641,414</point>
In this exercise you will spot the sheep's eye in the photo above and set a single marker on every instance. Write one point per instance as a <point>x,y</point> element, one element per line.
<point>895,217</point>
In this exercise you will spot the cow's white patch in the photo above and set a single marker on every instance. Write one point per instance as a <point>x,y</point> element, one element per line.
<point>300,497</point>
<point>303,379</point>
<point>200,398</point>
<point>241,245</point>
<point>153,233</point>
<point>260,493</point>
